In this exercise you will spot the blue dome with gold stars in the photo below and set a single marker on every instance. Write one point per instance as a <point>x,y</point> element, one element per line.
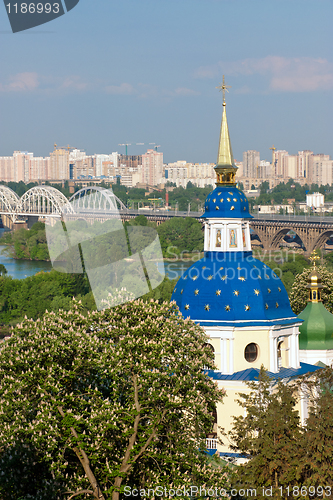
<point>225,289</point>
<point>227,202</point>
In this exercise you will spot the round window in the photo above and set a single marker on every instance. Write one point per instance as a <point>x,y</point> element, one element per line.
<point>251,352</point>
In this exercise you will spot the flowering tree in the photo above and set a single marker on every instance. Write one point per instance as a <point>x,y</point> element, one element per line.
<point>91,404</point>
<point>299,293</point>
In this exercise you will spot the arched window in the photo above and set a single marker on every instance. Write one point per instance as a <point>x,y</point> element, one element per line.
<point>279,353</point>
<point>251,352</point>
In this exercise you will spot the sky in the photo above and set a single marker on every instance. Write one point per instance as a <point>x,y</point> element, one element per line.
<point>145,71</point>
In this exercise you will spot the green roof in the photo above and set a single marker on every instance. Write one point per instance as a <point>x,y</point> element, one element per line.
<point>316,331</point>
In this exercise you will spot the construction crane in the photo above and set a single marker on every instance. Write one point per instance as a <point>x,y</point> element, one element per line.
<point>68,147</point>
<point>155,147</point>
<point>126,144</point>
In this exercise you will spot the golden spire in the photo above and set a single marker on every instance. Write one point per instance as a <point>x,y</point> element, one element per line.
<point>225,168</point>
<point>314,281</point>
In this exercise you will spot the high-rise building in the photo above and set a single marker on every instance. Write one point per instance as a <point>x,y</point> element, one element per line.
<point>59,164</point>
<point>251,160</point>
<point>152,163</point>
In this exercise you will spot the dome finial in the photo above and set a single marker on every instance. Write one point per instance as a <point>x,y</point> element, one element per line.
<point>314,257</point>
<point>314,281</point>
<point>225,168</point>
<point>223,88</point>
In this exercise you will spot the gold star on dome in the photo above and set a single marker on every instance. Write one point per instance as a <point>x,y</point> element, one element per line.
<point>264,266</point>
<point>232,208</point>
<point>235,199</point>
<point>221,200</point>
<point>194,278</point>
<point>221,268</point>
<point>266,306</point>
<point>247,307</point>
<point>279,289</point>
<point>196,292</point>
<point>217,207</point>
<point>181,292</point>
<point>203,267</point>
<point>230,192</point>
<point>241,278</point>
<point>266,276</point>
<point>239,268</point>
<point>185,277</point>
<point>210,277</point>
<point>255,267</point>
<point>259,277</point>
<point>236,292</point>
<point>207,307</point>
<point>256,291</point>
<point>218,194</point>
<point>187,307</point>
<point>276,305</point>
<point>227,308</point>
<point>228,199</point>
<point>224,277</point>
<point>175,290</point>
<point>214,200</point>
<point>218,292</point>
<point>268,290</point>
<point>244,208</point>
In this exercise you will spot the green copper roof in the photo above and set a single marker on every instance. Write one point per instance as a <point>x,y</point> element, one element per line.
<point>317,327</point>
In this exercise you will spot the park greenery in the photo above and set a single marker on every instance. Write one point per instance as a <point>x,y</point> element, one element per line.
<point>92,403</point>
<point>54,290</point>
<point>282,452</point>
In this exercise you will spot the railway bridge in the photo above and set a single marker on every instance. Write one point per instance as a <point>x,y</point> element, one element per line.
<point>95,203</point>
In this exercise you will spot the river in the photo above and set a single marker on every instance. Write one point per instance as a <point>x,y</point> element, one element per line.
<point>20,269</point>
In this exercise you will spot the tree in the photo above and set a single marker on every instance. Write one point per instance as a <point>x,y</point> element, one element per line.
<point>299,293</point>
<point>316,465</point>
<point>97,402</point>
<point>3,270</point>
<point>269,434</point>
<point>171,234</point>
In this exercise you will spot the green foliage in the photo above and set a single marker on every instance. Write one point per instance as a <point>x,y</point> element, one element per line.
<point>284,191</point>
<point>316,465</point>
<point>178,235</point>
<point>192,194</point>
<point>3,270</point>
<point>299,293</point>
<point>33,295</point>
<point>163,292</point>
<point>269,433</point>
<point>101,401</point>
<point>28,243</point>
<point>292,265</point>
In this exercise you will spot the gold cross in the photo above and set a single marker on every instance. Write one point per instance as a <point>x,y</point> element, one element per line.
<point>223,88</point>
<point>314,257</point>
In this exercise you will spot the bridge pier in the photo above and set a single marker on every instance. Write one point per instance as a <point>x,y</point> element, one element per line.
<point>31,220</point>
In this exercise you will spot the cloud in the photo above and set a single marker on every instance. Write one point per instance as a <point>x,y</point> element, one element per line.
<point>149,91</point>
<point>298,74</point>
<point>21,82</point>
<point>182,91</point>
<point>73,83</point>
<point>122,89</point>
<point>31,81</point>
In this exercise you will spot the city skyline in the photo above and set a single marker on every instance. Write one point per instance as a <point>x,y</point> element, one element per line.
<point>146,72</point>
